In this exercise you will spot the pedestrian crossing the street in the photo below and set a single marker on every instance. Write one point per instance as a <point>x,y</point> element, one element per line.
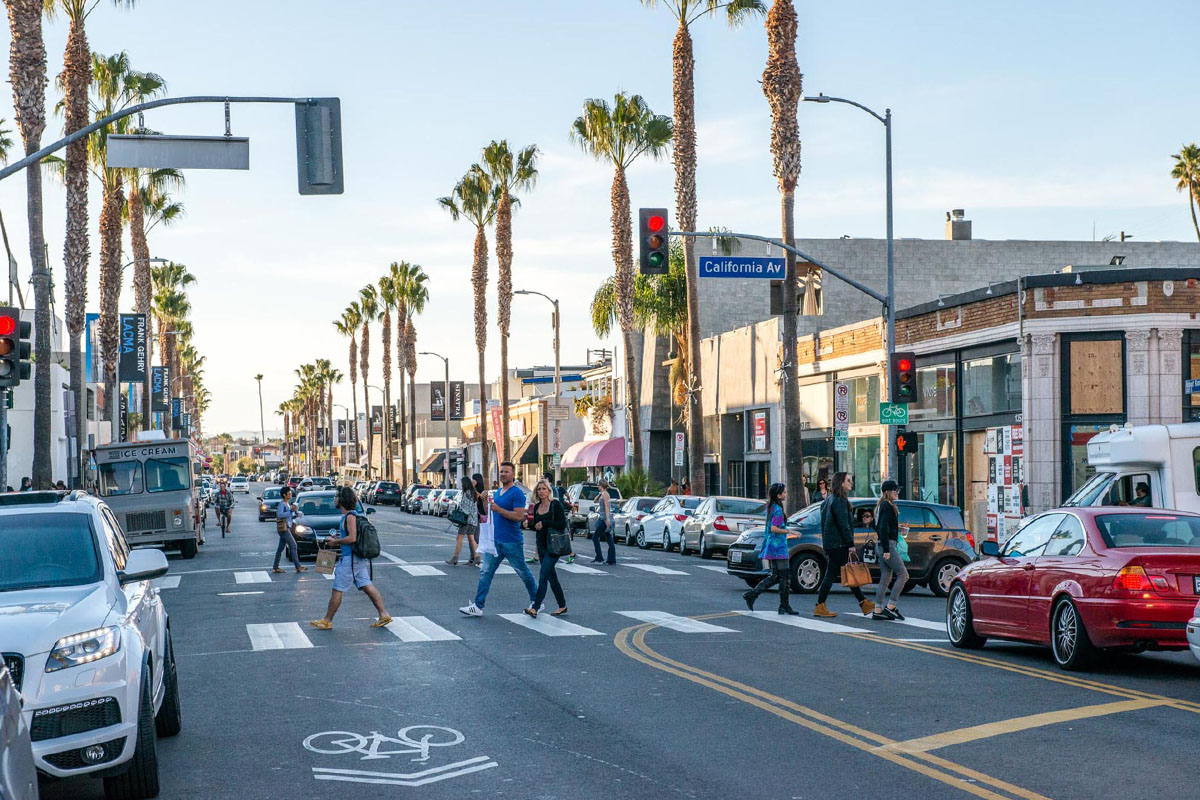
<point>257,576</point>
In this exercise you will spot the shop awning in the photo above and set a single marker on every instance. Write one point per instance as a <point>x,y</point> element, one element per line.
<point>527,452</point>
<point>433,463</point>
<point>606,453</point>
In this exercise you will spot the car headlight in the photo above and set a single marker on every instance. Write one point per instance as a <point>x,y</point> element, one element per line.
<point>302,529</point>
<point>262,507</point>
<point>84,648</point>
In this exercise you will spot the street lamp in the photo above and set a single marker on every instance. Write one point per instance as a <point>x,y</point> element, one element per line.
<point>445,418</point>
<point>886,120</point>
<point>262,425</point>
<point>557,385</point>
<point>383,422</point>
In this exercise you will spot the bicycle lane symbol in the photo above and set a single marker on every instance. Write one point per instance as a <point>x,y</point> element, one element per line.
<point>415,741</point>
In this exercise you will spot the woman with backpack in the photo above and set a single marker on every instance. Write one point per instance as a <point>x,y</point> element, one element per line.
<point>350,570</point>
<point>549,518</point>
<point>466,516</point>
<point>775,551</point>
<point>837,538</point>
<point>893,550</point>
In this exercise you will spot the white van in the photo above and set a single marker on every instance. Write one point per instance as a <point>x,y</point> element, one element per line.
<point>1148,465</point>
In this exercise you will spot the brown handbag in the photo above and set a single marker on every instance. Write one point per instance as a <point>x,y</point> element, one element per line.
<point>280,525</point>
<point>854,571</point>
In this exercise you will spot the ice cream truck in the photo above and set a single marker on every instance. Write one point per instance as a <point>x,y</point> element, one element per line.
<point>1156,466</point>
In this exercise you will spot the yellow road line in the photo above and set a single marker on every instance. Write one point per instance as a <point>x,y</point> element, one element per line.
<point>938,769</point>
<point>986,731</point>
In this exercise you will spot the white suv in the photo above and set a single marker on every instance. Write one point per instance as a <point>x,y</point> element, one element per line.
<point>239,484</point>
<point>86,638</point>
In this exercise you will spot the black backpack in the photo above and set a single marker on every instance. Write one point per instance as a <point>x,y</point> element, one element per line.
<point>366,539</point>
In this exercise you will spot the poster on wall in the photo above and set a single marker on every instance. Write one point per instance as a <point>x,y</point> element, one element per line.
<point>1004,448</point>
<point>758,421</point>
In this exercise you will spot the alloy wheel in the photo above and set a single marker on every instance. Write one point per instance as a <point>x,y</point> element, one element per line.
<point>1066,632</point>
<point>956,622</point>
<point>946,573</point>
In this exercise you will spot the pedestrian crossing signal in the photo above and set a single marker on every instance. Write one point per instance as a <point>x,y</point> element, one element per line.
<point>906,442</point>
<point>652,239</point>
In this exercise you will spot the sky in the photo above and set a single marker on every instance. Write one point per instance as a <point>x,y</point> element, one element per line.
<point>1042,120</point>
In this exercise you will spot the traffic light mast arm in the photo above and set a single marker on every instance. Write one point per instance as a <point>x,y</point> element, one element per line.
<point>34,158</point>
<point>867,290</point>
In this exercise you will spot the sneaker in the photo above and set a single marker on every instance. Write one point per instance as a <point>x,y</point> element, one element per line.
<point>883,614</point>
<point>472,610</point>
<point>895,612</point>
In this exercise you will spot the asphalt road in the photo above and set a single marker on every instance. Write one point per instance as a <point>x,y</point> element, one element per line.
<point>660,688</point>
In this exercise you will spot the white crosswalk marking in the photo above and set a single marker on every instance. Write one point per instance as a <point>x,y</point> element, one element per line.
<point>657,570</point>
<point>259,576</point>
<point>277,636</point>
<point>711,567</point>
<point>580,569</point>
<point>817,625</point>
<point>420,569</point>
<point>928,625</point>
<point>550,626</point>
<point>168,582</point>
<point>681,624</point>
<point>420,629</point>
<point>328,577</point>
<point>391,558</point>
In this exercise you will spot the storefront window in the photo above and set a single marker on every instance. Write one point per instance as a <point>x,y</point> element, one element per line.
<point>1191,371</point>
<point>864,400</point>
<point>991,385</point>
<point>862,461</point>
<point>936,387</point>
<point>818,462</point>
<point>931,470</point>
<point>1078,468</point>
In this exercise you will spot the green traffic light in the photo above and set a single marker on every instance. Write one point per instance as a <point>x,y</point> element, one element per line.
<point>656,259</point>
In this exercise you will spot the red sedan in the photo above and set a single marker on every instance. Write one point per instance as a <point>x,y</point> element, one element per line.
<point>1082,580</point>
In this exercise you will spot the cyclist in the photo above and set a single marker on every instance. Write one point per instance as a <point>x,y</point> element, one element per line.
<point>224,502</point>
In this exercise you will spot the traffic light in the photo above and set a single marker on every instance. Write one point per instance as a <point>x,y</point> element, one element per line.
<point>903,378</point>
<point>905,442</point>
<point>14,348</point>
<point>652,238</point>
<point>319,145</point>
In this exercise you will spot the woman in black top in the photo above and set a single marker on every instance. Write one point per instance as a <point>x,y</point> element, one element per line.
<point>891,564</point>
<point>548,516</point>
<point>837,537</point>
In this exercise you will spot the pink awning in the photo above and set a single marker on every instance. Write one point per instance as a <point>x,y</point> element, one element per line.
<point>607,453</point>
<point>571,457</point>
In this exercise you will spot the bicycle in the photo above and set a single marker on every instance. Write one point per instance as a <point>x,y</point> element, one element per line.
<point>348,742</point>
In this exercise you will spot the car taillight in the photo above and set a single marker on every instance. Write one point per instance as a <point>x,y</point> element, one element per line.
<point>720,524</point>
<point>680,517</point>
<point>639,516</point>
<point>1132,579</point>
<point>970,540</point>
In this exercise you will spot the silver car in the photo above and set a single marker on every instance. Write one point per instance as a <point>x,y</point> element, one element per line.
<point>18,775</point>
<point>628,514</point>
<point>718,522</point>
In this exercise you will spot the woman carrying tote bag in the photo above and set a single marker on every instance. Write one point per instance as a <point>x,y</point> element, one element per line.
<point>466,516</point>
<point>553,542</point>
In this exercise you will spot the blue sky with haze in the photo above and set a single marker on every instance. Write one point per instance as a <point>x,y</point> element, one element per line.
<point>1043,120</point>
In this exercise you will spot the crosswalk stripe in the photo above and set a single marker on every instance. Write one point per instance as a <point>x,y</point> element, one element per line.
<point>675,623</point>
<point>391,558</point>
<point>277,636</point>
<point>711,567</point>
<point>419,570</point>
<point>420,629</point>
<point>258,576</point>
<point>168,582</point>
<point>928,625</point>
<point>580,569</point>
<point>550,626</point>
<point>817,625</point>
<point>326,576</point>
<point>657,570</point>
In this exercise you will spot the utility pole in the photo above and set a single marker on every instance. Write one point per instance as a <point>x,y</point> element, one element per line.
<point>262,425</point>
<point>445,416</point>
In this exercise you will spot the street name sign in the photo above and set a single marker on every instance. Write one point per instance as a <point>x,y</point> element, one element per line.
<point>181,152</point>
<point>558,412</point>
<point>893,413</point>
<point>742,267</point>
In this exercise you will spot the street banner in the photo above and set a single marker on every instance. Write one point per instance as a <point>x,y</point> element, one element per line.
<point>437,401</point>
<point>131,366</point>
<point>186,419</point>
<point>93,367</point>
<point>496,432</point>
<point>841,416</point>
<point>341,432</point>
<point>160,380</point>
<point>458,393</point>
<point>123,417</point>
<point>743,267</point>
<point>376,419</point>
<point>176,412</point>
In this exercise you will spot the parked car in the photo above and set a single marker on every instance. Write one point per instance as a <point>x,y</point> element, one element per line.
<point>1083,580</point>
<point>268,503</point>
<point>18,774</point>
<point>318,517</point>
<point>430,502</point>
<point>417,499</point>
<point>321,482</point>
<point>91,651</point>
<point>628,514</point>
<point>386,493</point>
<point>938,546</point>
<point>294,482</point>
<point>1193,632</point>
<point>717,523</point>
<point>580,499</point>
<point>359,488</point>
<point>664,524</point>
<point>368,495</point>
<point>239,484</point>
<point>446,501</point>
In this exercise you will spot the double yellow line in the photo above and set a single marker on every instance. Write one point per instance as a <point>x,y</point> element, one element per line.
<point>632,642</point>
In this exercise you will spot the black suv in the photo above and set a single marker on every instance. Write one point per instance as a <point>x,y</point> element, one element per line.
<point>938,546</point>
<point>387,493</point>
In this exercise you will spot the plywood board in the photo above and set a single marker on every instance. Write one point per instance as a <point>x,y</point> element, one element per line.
<point>1097,377</point>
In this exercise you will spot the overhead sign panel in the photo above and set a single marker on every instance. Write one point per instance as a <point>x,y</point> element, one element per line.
<point>743,267</point>
<point>180,152</point>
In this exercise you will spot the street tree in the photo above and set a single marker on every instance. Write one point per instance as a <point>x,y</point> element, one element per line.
<point>1186,172</point>
<point>619,134</point>
<point>412,293</point>
<point>686,12</point>
<point>388,300</point>
<point>171,309</point>
<point>347,326</point>
<point>368,303</point>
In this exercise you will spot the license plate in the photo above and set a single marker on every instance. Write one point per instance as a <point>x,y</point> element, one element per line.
<point>1196,584</point>
<point>735,557</point>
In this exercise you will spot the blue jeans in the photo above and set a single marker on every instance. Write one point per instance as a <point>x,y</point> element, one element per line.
<point>514,554</point>
<point>604,533</point>
<point>548,579</point>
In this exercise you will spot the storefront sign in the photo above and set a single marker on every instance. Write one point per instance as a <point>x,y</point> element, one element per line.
<point>893,413</point>
<point>1191,386</point>
<point>841,416</point>
<point>131,366</point>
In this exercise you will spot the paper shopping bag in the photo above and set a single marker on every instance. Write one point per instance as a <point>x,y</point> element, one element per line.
<point>487,535</point>
<point>325,561</point>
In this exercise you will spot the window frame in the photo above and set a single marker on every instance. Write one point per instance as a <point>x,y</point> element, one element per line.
<point>141,477</point>
<point>1006,552</point>
<point>1068,519</point>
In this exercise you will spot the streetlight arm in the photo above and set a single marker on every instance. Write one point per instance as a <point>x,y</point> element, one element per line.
<point>824,98</point>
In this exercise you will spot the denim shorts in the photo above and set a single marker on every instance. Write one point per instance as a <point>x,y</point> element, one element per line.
<point>344,576</point>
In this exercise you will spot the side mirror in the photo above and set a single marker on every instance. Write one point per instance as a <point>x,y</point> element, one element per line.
<point>370,511</point>
<point>989,548</point>
<point>143,565</point>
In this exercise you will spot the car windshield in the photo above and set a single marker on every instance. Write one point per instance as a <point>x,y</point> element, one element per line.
<point>422,492</point>
<point>120,477</point>
<point>44,550</point>
<point>169,475</point>
<point>321,482</point>
<point>1086,495</point>
<point>318,506</point>
<point>646,503</point>
<point>1149,530</point>
<point>751,507</point>
<point>271,494</point>
<point>804,514</point>
<point>589,492</point>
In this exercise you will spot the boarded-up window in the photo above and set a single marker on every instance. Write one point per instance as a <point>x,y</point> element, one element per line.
<point>1097,377</point>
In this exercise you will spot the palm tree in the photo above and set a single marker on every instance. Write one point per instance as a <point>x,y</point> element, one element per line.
<point>782,84</point>
<point>509,173</point>
<point>475,198</point>
<point>410,360</point>
<point>284,410</point>
<point>413,294</point>
<point>368,303</point>
<point>619,134</point>
<point>27,74</point>
<point>171,308</point>
<point>348,326</point>
<point>685,12</point>
<point>388,300</point>
<point>1186,173</point>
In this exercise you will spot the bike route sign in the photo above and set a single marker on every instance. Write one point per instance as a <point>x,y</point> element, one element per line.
<point>415,741</point>
<point>893,413</point>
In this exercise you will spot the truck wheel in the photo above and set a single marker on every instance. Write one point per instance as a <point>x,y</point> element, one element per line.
<point>140,780</point>
<point>187,548</point>
<point>169,720</point>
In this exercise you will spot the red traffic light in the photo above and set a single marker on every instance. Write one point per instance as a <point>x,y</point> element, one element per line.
<point>656,223</point>
<point>8,326</point>
<point>904,365</point>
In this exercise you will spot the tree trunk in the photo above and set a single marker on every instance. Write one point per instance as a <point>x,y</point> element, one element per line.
<point>354,395</point>
<point>363,366</point>
<point>479,284</point>
<point>142,283</point>
<point>1193,191</point>
<point>386,440</point>
<point>504,307</point>
<point>401,365</point>
<point>110,296</point>
<point>77,67</point>
<point>622,249</point>
<point>412,418</point>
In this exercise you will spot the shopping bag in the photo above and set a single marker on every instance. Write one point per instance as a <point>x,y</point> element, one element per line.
<point>559,543</point>
<point>326,558</point>
<point>855,572</point>
<point>487,535</point>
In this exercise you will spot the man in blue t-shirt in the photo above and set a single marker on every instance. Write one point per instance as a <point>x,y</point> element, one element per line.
<point>507,511</point>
